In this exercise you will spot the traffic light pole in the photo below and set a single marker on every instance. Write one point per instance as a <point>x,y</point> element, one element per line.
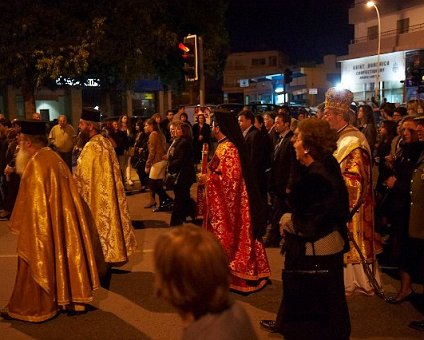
<point>201,74</point>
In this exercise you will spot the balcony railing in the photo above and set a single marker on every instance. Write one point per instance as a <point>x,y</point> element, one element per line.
<point>391,33</point>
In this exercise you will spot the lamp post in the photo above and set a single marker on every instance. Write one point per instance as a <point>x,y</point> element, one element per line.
<point>377,76</point>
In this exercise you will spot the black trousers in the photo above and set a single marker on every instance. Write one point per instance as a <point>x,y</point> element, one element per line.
<point>156,187</point>
<point>279,208</point>
<point>184,205</point>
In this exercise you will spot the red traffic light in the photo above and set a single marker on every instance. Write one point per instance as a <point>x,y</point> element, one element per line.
<point>183,47</point>
<point>189,47</point>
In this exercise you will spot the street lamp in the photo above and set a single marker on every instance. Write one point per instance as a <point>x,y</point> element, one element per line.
<point>377,78</point>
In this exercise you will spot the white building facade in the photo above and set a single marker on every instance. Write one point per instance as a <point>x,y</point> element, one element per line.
<point>401,58</point>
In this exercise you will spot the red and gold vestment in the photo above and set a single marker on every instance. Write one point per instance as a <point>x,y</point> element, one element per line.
<point>228,218</point>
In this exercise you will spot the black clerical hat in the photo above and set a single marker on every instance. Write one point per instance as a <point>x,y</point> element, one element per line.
<point>92,115</point>
<point>33,127</point>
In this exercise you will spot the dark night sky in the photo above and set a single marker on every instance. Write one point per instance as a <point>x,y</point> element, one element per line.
<point>303,29</point>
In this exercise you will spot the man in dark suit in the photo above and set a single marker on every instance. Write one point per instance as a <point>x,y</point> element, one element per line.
<point>246,120</point>
<point>164,126</point>
<point>255,148</point>
<point>269,118</point>
<point>252,137</point>
<point>284,167</point>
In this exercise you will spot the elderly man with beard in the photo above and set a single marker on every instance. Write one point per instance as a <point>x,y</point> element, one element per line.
<point>99,182</point>
<point>56,264</point>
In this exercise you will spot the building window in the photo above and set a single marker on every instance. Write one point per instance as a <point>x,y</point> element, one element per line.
<point>273,61</point>
<point>372,32</point>
<point>258,62</point>
<point>403,26</point>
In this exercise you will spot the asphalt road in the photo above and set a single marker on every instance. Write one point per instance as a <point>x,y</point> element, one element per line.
<point>130,310</point>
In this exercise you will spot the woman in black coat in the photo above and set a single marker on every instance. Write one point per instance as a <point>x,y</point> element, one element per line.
<point>181,162</point>
<point>399,203</point>
<point>314,304</point>
<point>201,135</point>
<point>141,153</point>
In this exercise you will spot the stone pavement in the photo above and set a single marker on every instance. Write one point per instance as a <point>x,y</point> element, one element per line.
<point>130,310</point>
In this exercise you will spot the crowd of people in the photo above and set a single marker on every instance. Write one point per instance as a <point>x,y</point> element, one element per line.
<point>305,185</point>
<point>390,208</point>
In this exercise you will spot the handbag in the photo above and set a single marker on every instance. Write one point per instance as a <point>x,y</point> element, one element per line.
<point>157,171</point>
<point>170,180</point>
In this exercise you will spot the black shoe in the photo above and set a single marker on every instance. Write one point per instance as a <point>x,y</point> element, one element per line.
<point>165,205</point>
<point>162,207</point>
<point>5,314</point>
<point>169,202</point>
<point>72,313</point>
<point>418,325</point>
<point>268,325</point>
<point>395,301</point>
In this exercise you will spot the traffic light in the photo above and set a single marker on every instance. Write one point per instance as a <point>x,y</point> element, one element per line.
<point>288,76</point>
<point>189,48</point>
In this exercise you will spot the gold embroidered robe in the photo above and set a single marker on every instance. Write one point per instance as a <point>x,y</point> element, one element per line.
<point>99,182</point>
<point>56,264</point>
<point>353,155</point>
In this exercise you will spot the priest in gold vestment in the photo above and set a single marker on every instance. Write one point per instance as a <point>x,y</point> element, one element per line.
<point>354,156</point>
<point>99,182</point>
<point>56,265</point>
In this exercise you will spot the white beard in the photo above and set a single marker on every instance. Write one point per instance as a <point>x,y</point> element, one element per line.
<point>22,159</point>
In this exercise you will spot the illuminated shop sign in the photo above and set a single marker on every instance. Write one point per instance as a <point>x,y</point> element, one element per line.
<point>364,70</point>
<point>72,82</point>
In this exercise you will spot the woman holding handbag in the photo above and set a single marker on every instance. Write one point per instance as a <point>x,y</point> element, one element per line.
<point>315,238</point>
<point>156,166</point>
<point>181,165</point>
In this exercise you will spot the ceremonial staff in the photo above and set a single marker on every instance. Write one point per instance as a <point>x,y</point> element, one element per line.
<point>200,208</point>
